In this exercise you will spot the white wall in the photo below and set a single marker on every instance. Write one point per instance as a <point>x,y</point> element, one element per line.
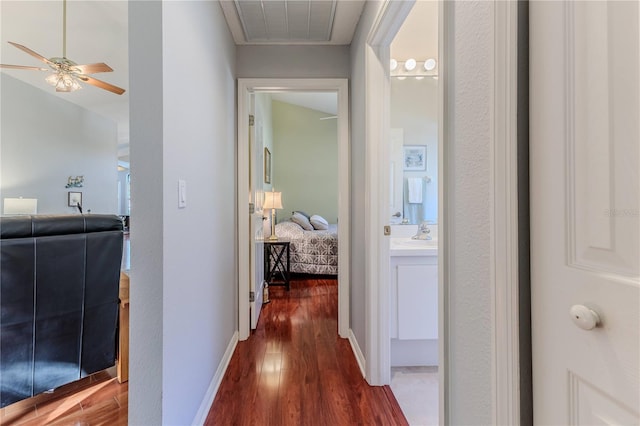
<point>263,117</point>
<point>46,139</point>
<point>183,287</point>
<point>292,61</point>
<point>414,108</point>
<point>467,173</point>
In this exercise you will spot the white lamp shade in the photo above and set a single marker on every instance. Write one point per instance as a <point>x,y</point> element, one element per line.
<point>272,200</point>
<point>20,205</point>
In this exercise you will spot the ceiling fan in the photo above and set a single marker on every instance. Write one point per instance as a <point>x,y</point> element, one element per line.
<point>66,74</point>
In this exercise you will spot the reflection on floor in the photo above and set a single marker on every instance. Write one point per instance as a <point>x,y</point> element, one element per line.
<point>416,389</point>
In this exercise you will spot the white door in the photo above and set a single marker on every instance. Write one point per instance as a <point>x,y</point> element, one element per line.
<point>585,210</point>
<point>256,197</point>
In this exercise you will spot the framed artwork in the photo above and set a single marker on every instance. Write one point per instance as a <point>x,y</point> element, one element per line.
<point>75,199</point>
<point>415,157</point>
<point>267,166</point>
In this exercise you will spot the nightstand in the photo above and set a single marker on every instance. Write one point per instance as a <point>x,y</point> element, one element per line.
<point>277,258</point>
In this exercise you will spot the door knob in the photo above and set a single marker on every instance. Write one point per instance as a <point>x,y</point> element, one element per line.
<point>583,317</point>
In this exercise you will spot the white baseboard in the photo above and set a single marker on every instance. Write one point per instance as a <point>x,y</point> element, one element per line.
<point>207,401</point>
<point>357,352</point>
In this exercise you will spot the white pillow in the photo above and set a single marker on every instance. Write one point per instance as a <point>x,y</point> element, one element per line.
<point>319,222</point>
<point>302,221</point>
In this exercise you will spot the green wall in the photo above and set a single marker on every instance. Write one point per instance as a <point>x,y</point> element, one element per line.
<point>305,161</point>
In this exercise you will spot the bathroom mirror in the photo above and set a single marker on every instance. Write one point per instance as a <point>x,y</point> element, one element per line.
<point>414,150</point>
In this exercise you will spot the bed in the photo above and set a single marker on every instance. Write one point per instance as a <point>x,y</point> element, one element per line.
<point>312,252</point>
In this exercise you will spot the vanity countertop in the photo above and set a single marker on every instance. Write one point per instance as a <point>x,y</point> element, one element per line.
<point>405,246</point>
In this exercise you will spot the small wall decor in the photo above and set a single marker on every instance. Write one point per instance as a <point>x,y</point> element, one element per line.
<point>75,199</point>
<point>267,166</point>
<point>415,157</point>
<point>75,182</point>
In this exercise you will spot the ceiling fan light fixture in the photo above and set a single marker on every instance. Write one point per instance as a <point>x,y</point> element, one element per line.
<point>63,82</point>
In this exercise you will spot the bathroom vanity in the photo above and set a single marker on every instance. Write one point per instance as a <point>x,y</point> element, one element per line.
<point>414,301</point>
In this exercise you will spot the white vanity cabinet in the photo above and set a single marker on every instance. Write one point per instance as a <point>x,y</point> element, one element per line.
<point>414,308</point>
<point>414,288</point>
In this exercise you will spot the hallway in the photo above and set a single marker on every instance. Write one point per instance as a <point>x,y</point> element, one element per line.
<point>295,370</point>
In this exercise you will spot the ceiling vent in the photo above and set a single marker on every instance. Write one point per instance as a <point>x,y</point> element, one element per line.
<point>286,20</point>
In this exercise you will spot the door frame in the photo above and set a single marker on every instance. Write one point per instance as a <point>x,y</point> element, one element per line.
<point>246,86</point>
<point>504,285</point>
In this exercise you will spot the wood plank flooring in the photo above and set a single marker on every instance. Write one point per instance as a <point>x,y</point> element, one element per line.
<point>295,370</point>
<point>97,400</point>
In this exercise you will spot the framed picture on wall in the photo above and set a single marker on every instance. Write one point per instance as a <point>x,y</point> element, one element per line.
<point>267,166</point>
<point>75,199</point>
<point>415,157</point>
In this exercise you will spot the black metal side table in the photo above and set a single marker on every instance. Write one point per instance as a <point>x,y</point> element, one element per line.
<point>277,258</point>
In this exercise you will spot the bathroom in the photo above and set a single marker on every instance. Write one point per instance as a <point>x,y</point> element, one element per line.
<point>413,215</point>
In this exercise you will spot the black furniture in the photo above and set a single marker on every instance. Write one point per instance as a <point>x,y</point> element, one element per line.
<point>277,260</point>
<point>59,279</point>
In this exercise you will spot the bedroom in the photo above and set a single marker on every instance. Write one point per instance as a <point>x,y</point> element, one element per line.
<point>300,158</point>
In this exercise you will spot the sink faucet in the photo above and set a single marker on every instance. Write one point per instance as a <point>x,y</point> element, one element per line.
<point>423,232</point>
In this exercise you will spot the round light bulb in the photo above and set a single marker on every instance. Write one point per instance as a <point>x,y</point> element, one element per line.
<point>410,64</point>
<point>430,64</point>
<point>393,64</point>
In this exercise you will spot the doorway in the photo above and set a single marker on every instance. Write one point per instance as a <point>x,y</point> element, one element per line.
<point>247,87</point>
<point>412,214</point>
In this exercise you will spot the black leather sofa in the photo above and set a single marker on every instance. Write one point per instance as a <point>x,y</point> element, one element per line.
<point>59,279</point>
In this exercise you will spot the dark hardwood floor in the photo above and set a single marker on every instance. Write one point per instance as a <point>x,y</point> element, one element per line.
<point>97,400</point>
<point>295,370</point>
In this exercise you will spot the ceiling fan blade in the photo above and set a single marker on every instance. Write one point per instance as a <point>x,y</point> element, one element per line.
<point>22,67</point>
<point>32,53</point>
<point>93,68</point>
<point>101,84</point>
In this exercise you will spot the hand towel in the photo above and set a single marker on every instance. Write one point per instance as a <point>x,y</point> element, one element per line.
<point>414,186</point>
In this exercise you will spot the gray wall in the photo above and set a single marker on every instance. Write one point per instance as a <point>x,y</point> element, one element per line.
<point>183,283</point>
<point>358,100</point>
<point>305,161</point>
<point>46,139</point>
<point>292,61</point>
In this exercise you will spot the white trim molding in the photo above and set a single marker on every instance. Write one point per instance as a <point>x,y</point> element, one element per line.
<point>357,352</point>
<point>207,401</point>
<point>504,217</point>
<point>377,115</point>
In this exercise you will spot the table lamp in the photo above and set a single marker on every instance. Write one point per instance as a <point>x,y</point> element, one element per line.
<point>14,206</point>
<point>273,201</point>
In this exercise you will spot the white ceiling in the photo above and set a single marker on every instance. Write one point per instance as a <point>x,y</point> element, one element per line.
<point>97,31</point>
<point>323,102</point>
